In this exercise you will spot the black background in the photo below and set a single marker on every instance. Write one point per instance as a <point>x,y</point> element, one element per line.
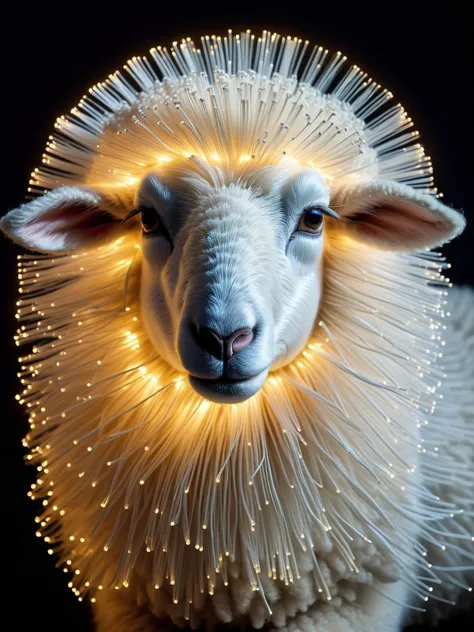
<point>420,51</point>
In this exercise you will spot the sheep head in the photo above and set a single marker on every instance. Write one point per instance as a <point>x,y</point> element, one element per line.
<point>232,265</point>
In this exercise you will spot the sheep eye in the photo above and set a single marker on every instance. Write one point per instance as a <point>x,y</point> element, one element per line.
<point>150,220</point>
<point>311,220</point>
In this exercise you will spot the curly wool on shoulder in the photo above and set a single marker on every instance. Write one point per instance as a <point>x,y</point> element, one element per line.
<point>248,400</point>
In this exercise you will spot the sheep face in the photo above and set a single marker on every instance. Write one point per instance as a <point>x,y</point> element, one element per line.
<point>232,261</point>
<point>231,272</point>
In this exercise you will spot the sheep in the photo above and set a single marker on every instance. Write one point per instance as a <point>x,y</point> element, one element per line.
<point>248,400</point>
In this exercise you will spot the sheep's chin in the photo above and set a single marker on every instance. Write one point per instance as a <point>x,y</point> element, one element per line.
<point>233,392</point>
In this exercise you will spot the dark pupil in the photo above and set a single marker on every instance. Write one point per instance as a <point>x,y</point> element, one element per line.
<point>313,218</point>
<point>149,219</point>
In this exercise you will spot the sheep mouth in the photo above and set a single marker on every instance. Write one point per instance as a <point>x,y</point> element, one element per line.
<point>224,380</point>
<point>228,390</point>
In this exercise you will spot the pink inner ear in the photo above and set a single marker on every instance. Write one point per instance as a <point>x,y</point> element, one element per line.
<point>69,225</point>
<point>400,224</point>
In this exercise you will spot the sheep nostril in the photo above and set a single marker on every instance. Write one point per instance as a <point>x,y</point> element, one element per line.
<point>210,341</point>
<point>237,341</point>
<point>223,347</point>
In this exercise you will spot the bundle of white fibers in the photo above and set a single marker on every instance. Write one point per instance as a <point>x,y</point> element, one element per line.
<point>349,468</point>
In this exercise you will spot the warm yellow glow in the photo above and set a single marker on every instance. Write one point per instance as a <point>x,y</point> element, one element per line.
<point>288,159</point>
<point>204,406</point>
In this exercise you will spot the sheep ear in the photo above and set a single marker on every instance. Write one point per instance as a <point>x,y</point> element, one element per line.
<point>394,216</point>
<point>68,218</point>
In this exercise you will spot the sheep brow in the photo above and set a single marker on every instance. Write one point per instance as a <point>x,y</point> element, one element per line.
<point>325,210</point>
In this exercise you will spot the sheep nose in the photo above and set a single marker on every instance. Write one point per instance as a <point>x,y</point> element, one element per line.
<point>224,347</point>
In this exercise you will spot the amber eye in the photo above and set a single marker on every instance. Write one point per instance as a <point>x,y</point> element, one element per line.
<point>311,220</point>
<point>150,220</point>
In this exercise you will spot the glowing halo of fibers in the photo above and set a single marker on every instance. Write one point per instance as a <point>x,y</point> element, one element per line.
<point>139,477</point>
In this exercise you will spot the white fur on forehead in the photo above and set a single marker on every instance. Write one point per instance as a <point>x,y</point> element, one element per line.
<point>188,176</point>
<point>393,215</point>
<point>272,178</point>
<point>196,176</point>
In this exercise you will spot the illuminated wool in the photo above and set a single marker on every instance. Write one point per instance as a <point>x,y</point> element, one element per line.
<point>315,480</point>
